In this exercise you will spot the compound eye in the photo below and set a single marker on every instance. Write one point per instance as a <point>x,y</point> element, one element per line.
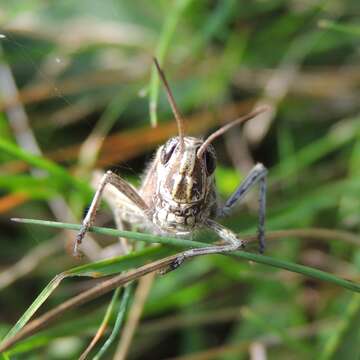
<point>210,162</point>
<point>167,152</point>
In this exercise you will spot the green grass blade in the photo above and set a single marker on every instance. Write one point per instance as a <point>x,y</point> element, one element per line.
<point>119,320</point>
<point>216,22</point>
<point>53,284</point>
<point>351,29</point>
<point>344,344</point>
<point>95,269</point>
<point>110,116</point>
<point>58,174</point>
<point>34,188</point>
<point>181,243</point>
<point>335,139</point>
<point>104,323</point>
<point>166,35</point>
<point>119,263</point>
<point>149,238</point>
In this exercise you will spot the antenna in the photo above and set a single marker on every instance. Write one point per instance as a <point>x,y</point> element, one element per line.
<point>226,127</point>
<point>179,120</point>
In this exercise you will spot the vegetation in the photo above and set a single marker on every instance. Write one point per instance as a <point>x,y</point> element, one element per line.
<point>79,92</point>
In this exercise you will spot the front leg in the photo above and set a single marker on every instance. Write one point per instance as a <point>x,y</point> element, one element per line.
<point>233,244</point>
<point>121,185</point>
<point>256,175</point>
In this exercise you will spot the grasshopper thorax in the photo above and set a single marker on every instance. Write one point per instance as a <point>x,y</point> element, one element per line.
<point>185,185</point>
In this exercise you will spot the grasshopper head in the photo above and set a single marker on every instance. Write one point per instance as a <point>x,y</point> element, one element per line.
<point>185,184</point>
<point>185,178</point>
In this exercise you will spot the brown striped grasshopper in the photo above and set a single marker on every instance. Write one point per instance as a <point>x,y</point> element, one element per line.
<point>178,193</point>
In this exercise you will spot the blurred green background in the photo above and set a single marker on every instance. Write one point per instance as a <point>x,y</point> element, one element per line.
<point>76,81</point>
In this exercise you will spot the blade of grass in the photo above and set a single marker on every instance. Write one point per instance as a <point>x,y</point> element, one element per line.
<point>119,320</point>
<point>119,263</point>
<point>181,243</point>
<point>351,29</point>
<point>96,269</point>
<point>103,325</point>
<point>121,279</point>
<point>345,132</point>
<point>216,22</point>
<point>166,35</point>
<point>149,238</point>
<point>344,343</point>
<point>53,284</point>
<point>59,175</point>
<point>122,263</point>
<point>90,149</point>
<point>135,312</point>
<point>106,267</point>
<point>8,202</point>
<point>86,296</point>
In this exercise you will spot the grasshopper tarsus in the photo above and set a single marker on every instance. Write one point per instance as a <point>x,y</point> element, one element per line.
<point>176,263</point>
<point>77,243</point>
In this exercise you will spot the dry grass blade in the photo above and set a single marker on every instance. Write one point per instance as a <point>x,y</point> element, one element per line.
<point>122,279</point>
<point>135,312</point>
<point>45,91</point>
<point>98,290</point>
<point>103,326</point>
<point>150,138</point>
<point>326,82</point>
<point>10,201</point>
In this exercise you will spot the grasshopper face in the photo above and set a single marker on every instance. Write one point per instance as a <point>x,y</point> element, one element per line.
<point>185,185</point>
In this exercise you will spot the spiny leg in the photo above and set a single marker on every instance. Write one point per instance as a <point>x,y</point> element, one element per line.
<point>256,175</point>
<point>233,243</point>
<point>108,178</point>
<point>124,212</point>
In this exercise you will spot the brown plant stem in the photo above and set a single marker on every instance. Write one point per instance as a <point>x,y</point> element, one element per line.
<point>98,290</point>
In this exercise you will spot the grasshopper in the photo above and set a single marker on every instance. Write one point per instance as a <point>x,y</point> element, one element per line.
<point>178,192</point>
